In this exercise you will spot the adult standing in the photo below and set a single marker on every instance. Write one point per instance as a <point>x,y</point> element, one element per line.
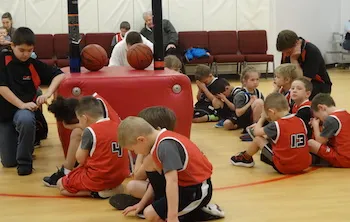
<point>308,59</point>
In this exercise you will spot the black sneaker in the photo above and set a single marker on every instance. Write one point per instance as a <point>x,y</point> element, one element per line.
<point>240,160</point>
<point>52,180</point>
<point>24,170</point>
<point>122,201</point>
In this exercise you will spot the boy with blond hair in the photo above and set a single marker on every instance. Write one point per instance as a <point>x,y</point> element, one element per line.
<point>178,172</point>
<point>285,74</point>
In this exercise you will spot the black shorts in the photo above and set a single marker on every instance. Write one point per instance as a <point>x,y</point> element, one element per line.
<point>243,121</point>
<point>267,156</point>
<point>191,199</point>
<point>319,87</point>
<point>203,109</point>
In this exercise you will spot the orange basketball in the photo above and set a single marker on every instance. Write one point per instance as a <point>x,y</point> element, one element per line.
<point>94,57</point>
<point>140,56</point>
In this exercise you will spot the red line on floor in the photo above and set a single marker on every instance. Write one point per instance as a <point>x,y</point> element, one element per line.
<point>216,189</point>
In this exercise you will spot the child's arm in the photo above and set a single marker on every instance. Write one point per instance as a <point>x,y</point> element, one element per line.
<point>172,194</point>
<point>199,93</point>
<point>14,100</point>
<point>87,142</point>
<point>52,88</point>
<point>258,128</point>
<point>205,90</point>
<point>140,172</point>
<point>242,110</point>
<point>330,127</point>
<point>228,102</point>
<point>146,200</point>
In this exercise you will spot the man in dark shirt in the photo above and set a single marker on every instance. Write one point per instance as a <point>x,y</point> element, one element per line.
<point>308,59</point>
<point>20,77</point>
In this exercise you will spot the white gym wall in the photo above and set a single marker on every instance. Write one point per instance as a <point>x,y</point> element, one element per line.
<point>315,20</point>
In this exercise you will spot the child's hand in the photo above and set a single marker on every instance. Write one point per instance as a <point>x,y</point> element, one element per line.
<point>137,208</point>
<point>42,99</point>
<point>29,106</point>
<point>221,96</point>
<point>315,122</point>
<point>253,98</point>
<point>200,85</point>
<point>297,50</point>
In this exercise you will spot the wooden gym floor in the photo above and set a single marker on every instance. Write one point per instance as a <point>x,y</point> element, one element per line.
<point>246,195</point>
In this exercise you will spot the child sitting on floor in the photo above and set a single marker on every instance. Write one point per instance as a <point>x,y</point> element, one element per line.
<point>287,152</point>
<point>103,164</point>
<point>332,143</point>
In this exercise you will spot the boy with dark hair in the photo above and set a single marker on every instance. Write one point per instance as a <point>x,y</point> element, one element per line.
<point>124,28</point>
<point>119,53</point>
<point>332,142</point>
<point>287,152</point>
<point>103,164</point>
<point>64,111</point>
<point>20,77</point>
<point>308,59</point>
<point>203,109</point>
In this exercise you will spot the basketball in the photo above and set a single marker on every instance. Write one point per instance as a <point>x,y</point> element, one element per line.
<point>139,56</point>
<point>94,57</point>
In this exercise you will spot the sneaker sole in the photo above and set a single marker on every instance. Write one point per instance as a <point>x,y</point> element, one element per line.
<point>248,165</point>
<point>122,201</point>
<point>49,185</point>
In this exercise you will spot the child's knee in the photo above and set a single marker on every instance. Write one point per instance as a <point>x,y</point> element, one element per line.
<point>258,103</point>
<point>150,214</point>
<point>130,187</point>
<point>60,184</point>
<point>228,125</point>
<point>25,118</point>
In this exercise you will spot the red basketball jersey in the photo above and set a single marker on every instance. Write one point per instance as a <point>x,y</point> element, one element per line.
<point>287,96</point>
<point>341,140</point>
<point>290,149</point>
<point>197,167</point>
<point>119,37</point>
<point>110,112</point>
<point>107,163</point>
<point>305,104</point>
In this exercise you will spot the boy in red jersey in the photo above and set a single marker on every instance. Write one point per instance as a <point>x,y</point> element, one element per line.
<point>332,143</point>
<point>288,152</point>
<point>64,111</point>
<point>178,172</point>
<point>103,164</point>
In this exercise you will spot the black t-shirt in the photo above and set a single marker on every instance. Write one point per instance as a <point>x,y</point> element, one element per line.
<point>313,64</point>
<point>17,77</point>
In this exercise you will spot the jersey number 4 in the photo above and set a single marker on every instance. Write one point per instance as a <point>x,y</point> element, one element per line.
<point>298,141</point>
<point>117,149</point>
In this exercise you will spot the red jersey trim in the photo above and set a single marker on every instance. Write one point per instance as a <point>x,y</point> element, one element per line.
<point>103,102</point>
<point>340,125</point>
<point>94,141</point>
<point>154,145</point>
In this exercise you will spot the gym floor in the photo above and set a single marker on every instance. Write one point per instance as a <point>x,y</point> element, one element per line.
<point>249,195</point>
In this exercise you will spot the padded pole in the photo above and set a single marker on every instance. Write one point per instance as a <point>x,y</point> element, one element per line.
<point>74,36</point>
<point>158,50</point>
